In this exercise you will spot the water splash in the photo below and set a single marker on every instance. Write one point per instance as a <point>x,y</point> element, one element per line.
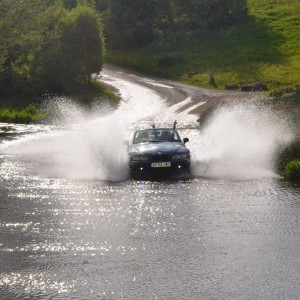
<point>240,141</point>
<point>142,106</point>
<point>79,146</point>
<point>88,144</point>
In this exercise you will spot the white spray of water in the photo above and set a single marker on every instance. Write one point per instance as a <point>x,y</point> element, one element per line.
<point>88,149</point>
<point>142,106</point>
<point>88,145</point>
<point>240,142</point>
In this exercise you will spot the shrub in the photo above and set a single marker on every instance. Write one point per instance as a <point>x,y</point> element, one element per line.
<point>288,154</point>
<point>169,61</point>
<point>28,114</point>
<point>292,169</point>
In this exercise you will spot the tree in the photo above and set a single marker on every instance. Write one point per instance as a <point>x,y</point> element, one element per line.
<point>72,58</point>
<point>198,16</point>
<point>102,5</point>
<point>70,4</point>
<point>130,23</point>
<point>46,47</point>
<point>81,45</point>
<point>136,23</point>
<point>18,33</point>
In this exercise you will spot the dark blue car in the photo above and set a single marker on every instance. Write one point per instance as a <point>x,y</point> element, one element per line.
<point>158,151</point>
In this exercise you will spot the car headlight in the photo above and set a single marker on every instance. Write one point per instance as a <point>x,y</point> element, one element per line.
<point>180,156</point>
<point>137,158</point>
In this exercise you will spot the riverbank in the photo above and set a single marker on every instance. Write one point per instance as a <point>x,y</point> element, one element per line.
<point>28,114</point>
<point>25,109</point>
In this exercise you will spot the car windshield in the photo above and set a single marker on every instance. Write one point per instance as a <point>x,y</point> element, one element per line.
<point>156,135</point>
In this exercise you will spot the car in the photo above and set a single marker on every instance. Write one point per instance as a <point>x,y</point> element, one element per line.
<point>158,151</point>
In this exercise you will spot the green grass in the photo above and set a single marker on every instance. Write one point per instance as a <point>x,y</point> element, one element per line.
<point>24,110</point>
<point>29,114</point>
<point>263,47</point>
<point>285,164</point>
<point>292,170</point>
<point>94,91</point>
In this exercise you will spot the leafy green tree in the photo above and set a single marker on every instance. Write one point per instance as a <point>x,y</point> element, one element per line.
<point>166,20</point>
<point>190,17</point>
<point>136,23</point>
<point>47,47</point>
<point>18,33</point>
<point>81,45</point>
<point>130,22</point>
<point>70,4</point>
<point>73,55</point>
<point>102,5</point>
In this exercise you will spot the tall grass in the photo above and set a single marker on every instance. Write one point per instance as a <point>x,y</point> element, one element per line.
<point>29,114</point>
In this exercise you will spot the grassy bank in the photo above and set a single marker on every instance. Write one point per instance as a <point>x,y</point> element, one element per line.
<point>28,114</point>
<point>288,164</point>
<point>264,47</point>
<point>26,109</point>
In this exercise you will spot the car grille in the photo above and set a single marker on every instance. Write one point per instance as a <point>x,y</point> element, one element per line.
<point>160,157</point>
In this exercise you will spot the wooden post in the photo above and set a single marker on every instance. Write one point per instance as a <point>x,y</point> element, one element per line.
<point>212,78</point>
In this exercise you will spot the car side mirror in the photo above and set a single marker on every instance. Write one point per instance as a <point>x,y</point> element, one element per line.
<point>185,140</point>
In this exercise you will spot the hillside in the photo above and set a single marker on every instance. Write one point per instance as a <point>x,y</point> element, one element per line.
<point>263,47</point>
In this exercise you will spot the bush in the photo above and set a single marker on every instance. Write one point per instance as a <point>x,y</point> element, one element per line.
<point>292,169</point>
<point>286,155</point>
<point>94,91</point>
<point>28,114</point>
<point>169,61</point>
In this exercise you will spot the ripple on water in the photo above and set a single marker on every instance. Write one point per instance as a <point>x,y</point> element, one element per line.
<point>213,238</point>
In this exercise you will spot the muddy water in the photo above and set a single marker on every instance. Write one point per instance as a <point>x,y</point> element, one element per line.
<point>74,226</point>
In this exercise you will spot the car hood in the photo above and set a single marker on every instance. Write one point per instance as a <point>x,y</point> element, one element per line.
<point>154,148</point>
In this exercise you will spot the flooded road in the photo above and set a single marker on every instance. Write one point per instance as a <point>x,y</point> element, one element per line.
<point>74,226</point>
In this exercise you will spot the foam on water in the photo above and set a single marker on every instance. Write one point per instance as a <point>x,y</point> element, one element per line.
<point>240,141</point>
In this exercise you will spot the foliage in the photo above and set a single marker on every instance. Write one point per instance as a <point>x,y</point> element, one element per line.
<point>133,23</point>
<point>48,46</point>
<point>87,96</point>
<point>74,56</point>
<point>92,92</point>
<point>28,114</point>
<point>264,46</point>
<point>288,154</point>
<point>292,169</point>
<point>169,60</point>
<point>130,22</point>
<point>18,33</point>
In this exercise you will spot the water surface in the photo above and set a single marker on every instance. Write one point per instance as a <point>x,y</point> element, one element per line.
<point>74,226</point>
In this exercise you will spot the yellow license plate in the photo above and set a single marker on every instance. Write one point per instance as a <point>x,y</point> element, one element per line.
<point>161,164</point>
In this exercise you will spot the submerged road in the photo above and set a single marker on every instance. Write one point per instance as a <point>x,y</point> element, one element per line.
<point>187,99</point>
<point>74,226</point>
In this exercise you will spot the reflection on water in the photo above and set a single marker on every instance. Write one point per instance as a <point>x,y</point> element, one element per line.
<point>73,226</point>
<point>179,239</point>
